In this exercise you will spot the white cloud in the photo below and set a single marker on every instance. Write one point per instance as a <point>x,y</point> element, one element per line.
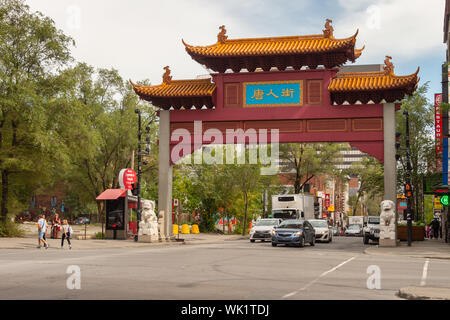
<point>403,29</point>
<point>140,37</point>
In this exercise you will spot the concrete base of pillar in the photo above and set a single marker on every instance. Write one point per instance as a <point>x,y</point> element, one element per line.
<point>387,243</point>
<point>148,238</point>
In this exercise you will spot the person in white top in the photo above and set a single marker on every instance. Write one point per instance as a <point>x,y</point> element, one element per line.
<point>42,229</point>
<point>67,231</point>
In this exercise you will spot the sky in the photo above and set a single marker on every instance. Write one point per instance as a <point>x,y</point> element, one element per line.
<point>140,37</point>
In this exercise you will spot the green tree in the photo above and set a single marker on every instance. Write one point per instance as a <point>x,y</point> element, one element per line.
<point>371,181</point>
<point>99,130</point>
<point>422,155</point>
<point>308,160</point>
<point>32,51</point>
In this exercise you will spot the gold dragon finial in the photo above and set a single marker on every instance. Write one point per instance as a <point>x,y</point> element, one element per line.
<point>221,37</point>
<point>328,32</point>
<point>167,78</point>
<point>388,66</point>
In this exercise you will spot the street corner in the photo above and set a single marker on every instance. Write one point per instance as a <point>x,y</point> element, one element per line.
<point>424,293</point>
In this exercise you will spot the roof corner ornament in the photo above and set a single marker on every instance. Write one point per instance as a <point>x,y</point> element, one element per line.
<point>328,32</point>
<point>221,37</point>
<point>388,66</point>
<point>167,78</point>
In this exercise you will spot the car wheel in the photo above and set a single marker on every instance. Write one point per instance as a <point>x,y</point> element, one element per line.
<point>263,240</point>
<point>302,242</point>
<point>274,244</point>
<point>251,240</point>
<point>313,241</point>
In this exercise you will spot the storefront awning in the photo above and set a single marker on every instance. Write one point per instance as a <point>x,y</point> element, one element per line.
<point>112,194</point>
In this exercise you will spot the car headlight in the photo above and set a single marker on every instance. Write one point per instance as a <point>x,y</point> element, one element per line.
<point>252,230</point>
<point>273,232</point>
<point>323,232</point>
<point>297,234</point>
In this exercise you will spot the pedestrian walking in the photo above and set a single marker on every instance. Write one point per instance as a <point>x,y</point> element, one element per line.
<point>67,231</point>
<point>56,226</point>
<point>435,227</point>
<point>428,232</point>
<point>42,229</point>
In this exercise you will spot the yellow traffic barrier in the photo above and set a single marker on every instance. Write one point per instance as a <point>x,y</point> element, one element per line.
<point>175,229</point>
<point>185,228</point>
<point>195,228</point>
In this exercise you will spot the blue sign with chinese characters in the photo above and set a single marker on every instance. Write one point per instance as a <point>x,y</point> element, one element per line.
<point>273,94</point>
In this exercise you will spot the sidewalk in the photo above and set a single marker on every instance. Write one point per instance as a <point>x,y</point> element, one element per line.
<point>429,249</point>
<point>189,239</point>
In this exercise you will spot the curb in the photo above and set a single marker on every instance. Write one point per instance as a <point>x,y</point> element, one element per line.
<point>406,293</point>
<point>419,255</point>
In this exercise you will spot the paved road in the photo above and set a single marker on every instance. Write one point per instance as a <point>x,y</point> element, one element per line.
<point>229,270</point>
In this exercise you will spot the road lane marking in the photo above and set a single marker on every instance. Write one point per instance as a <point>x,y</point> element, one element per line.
<point>424,274</point>
<point>317,279</point>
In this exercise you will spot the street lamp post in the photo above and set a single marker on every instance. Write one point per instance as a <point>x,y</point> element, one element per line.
<point>138,209</point>
<point>409,215</point>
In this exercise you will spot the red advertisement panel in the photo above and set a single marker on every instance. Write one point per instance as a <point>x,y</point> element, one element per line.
<point>438,122</point>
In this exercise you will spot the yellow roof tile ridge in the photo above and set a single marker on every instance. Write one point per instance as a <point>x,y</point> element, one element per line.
<point>271,39</point>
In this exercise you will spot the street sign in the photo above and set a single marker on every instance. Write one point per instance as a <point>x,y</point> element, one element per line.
<point>327,200</point>
<point>175,202</point>
<point>438,122</point>
<point>127,177</point>
<point>444,199</point>
<point>331,208</point>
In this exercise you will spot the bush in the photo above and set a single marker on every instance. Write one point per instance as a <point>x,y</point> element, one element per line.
<point>99,235</point>
<point>10,230</point>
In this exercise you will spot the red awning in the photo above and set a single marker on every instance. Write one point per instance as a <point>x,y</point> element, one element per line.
<point>112,194</point>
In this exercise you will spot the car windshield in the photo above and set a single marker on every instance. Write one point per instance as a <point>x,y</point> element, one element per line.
<point>261,223</point>
<point>374,220</point>
<point>319,223</point>
<point>291,225</point>
<point>353,227</point>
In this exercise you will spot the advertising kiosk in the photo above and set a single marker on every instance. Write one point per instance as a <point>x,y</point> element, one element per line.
<point>118,205</point>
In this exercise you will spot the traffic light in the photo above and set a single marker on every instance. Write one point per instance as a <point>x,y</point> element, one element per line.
<point>408,190</point>
<point>397,145</point>
<point>316,208</point>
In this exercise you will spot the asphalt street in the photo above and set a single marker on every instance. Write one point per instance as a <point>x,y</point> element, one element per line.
<point>230,270</point>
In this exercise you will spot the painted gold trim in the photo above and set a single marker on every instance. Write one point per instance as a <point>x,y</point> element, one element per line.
<point>296,104</point>
<point>308,129</point>
<point>299,123</point>
<point>380,120</point>
<point>321,92</point>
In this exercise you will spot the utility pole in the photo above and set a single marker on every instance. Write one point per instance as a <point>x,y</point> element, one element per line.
<point>410,213</point>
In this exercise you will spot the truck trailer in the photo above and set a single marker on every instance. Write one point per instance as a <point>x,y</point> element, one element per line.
<point>293,206</point>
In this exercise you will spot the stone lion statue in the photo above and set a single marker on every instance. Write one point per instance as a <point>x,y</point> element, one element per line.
<point>149,223</point>
<point>387,220</point>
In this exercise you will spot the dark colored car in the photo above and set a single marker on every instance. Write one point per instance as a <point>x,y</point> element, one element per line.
<point>295,232</point>
<point>82,220</point>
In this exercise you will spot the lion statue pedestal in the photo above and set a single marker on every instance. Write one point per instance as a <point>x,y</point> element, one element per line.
<point>148,226</point>
<point>388,232</point>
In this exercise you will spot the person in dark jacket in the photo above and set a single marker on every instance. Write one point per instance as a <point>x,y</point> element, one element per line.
<point>435,228</point>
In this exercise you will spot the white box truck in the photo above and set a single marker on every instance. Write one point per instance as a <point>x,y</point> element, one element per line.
<point>293,206</point>
<point>356,220</point>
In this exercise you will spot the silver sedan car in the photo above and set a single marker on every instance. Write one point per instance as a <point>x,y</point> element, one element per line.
<point>324,233</point>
